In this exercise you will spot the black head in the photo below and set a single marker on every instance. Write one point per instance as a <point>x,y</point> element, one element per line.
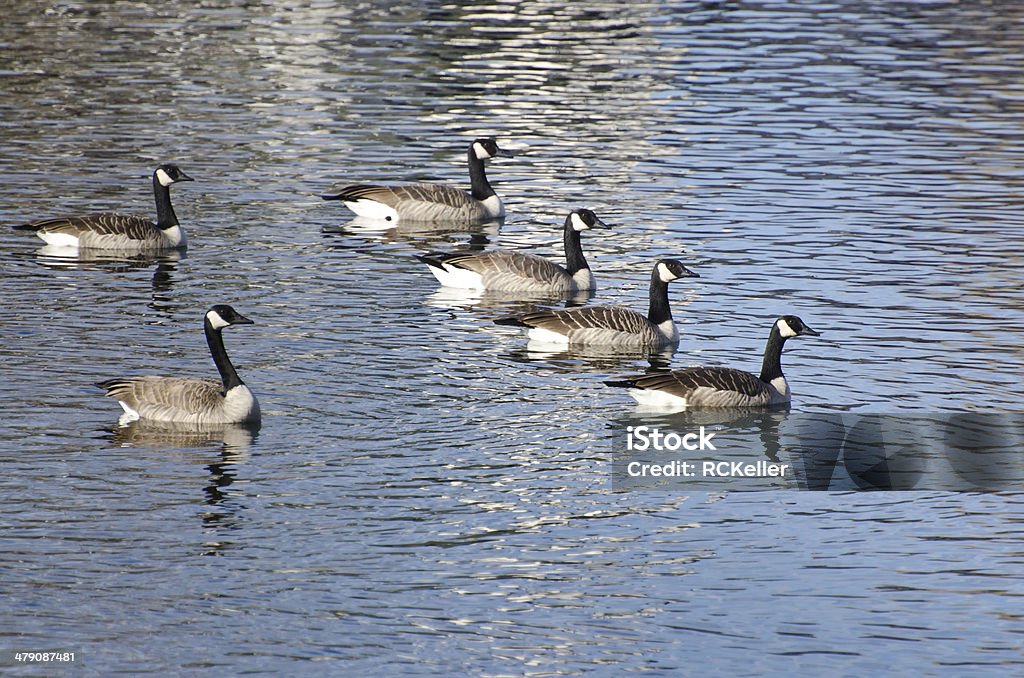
<point>668,270</point>
<point>582,219</point>
<point>222,315</point>
<point>170,174</point>
<point>487,147</point>
<point>792,326</point>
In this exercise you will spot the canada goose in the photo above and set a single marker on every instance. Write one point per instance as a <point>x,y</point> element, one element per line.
<point>431,202</point>
<point>511,271</point>
<point>110,230</point>
<point>721,386</point>
<point>610,325</point>
<point>190,400</point>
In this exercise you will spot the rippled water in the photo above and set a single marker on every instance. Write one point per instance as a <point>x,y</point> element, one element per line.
<point>427,495</point>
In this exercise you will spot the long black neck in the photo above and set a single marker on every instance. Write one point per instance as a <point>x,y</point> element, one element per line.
<point>165,216</point>
<point>771,368</point>
<point>228,375</point>
<point>659,311</point>
<point>574,259</point>
<point>481,188</point>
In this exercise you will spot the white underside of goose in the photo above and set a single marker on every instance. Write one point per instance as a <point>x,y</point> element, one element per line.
<point>453,276</point>
<point>543,336</point>
<point>659,400</point>
<point>778,394</point>
<point>170,238</point>
<point>239,404</point>
<point>372,209</point>
<point>129,415</point>
<point>59,239</point>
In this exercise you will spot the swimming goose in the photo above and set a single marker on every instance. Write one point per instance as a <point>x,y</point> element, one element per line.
<point>611,325</point>
<point>431,202</point>
<point>189,400</point>
<point>721,386</point>
<point>518,271</point>
<point>110,230</point>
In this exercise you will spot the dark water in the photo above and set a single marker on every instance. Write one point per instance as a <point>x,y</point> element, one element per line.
<point>427,495</point>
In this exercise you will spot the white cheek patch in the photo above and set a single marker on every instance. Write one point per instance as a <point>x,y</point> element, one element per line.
<point>480,151</point>
<point>577,223</point>
<point>665,274</point>
<point>164,178</point>
<point>216,321</point>
<point>784,329</point>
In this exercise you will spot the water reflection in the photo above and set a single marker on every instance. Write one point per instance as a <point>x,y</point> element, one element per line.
<point>835,451</point>
<point>164,264</point>
<point>58,257</point>
<point>858,162</point>
<point>591,357</point>
<point>424,236</point>
<point>498,302</point>
<point>805,451</point>
<point>235,442</point>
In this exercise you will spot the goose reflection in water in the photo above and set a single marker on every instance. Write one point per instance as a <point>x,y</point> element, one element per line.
<point>165,265</point>
<point>194,444</point>
<point>404,232</point>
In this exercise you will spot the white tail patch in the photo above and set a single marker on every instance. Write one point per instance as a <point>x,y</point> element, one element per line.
<point>577,223</point>
<point>371,209</point>
<point>452,276</point>
<point>129,415</point>
<point>658,400</point>
<point>543,336</point>
<point>63,240</point>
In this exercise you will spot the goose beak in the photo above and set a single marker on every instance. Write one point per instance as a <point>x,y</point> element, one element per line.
<point>690,274</point>
<point>241,320</point>
<point>183,177</point>
<point>504,154</point>
<point>599,224</point>
<point>808,330</point>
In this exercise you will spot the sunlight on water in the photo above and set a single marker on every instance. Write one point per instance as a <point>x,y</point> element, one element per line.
<point>431,493</point>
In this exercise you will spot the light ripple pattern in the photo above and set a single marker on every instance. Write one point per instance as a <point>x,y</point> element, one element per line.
<point>427,494</point>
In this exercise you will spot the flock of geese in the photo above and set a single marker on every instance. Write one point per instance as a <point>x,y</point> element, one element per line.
<point>228,401</point>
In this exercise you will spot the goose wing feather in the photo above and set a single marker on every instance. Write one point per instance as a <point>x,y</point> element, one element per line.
<point>701,383</point>
<point>422,202</point>
<point>502,268</point>
<point>106,223</point>
<point>168,398</point>
<point>617,318</point>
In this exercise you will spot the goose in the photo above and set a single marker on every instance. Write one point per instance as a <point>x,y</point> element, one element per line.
<point>110,230</point>
<point>610,325</point>
<point>721,386</point>
<point>189,400</point>
<point>511,271</point>
<point>431,202</point>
